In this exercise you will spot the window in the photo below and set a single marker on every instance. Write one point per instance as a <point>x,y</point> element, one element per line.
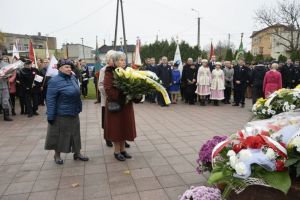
<point>11,46</point>
<point>25,47</point>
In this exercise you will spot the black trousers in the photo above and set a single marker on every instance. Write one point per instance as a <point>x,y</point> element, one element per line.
<point>160,98</point>
<point>12,100</point>
<point>239,93</point>
<point>84,88</point>
<point>257,92</point>
<point>31,102</point>
<point>190,94</point>
<point>227,94</point>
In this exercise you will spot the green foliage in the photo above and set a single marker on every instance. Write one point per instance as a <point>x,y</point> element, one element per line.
<point>259,58</point>
<point>282,58</point>
<point>278,180</point>
<point>249,57</point>
<point>295,55</point>
<point>133,88</point>
<point>229,55</point>
<point>293,162</point>
<point>165,48</point>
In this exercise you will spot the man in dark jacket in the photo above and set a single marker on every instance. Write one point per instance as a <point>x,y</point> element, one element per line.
<point>240,80</point>
<point>287,73</point>
<point>212,63</point>
<point>153,68</point>
<point>164,73</point>
<point>257,80</point>
<point>297,73</point>
<point>85,78</point>
<point>186,68</point>
<point>31,87</point>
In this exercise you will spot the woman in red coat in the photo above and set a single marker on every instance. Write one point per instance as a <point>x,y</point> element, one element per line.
<point>272,81</point>
<point>119,126</point>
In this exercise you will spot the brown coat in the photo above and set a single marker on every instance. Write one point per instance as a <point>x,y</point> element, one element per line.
<point>119,126</point>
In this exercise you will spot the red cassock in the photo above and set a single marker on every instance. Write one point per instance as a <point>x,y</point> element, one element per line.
<point>118,126</point>
<point>272,82</point>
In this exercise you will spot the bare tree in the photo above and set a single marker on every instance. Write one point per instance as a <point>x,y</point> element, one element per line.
<point>285,15</point>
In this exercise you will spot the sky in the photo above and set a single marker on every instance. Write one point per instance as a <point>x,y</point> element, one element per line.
<point>71,20</point>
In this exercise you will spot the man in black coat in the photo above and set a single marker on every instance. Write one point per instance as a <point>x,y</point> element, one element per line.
<point>288,74</point>
<point>297,73</point>
<point>212,63</point>
<point>257,80</point>
<point>30,87</point>
<point>164,73</point>
<point>153,68</point>
<point>240,81</point>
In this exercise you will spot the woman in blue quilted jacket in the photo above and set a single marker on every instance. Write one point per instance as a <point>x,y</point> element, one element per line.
<point>63,108</point>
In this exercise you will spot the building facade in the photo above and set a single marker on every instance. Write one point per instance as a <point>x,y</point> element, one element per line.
<point>78,51</point>
<point>105,48</point>
<point>22,41</point>
<point>262,40</point>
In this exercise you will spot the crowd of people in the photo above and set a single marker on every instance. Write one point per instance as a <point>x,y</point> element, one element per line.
<point>207,81</point>
<point>31,93</point>
<point>204,81</point>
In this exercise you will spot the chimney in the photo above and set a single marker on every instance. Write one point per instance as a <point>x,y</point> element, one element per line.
<point>39,34</point>
<point>104,42</point>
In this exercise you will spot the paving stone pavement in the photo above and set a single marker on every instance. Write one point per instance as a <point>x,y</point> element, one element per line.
<point>163,164</point>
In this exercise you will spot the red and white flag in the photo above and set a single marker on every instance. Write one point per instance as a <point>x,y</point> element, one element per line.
<point>137,57</point>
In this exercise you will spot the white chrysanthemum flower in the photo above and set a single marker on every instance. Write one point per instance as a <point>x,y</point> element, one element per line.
<point>293,107</point>
<point>233,160</point>
<point>263,111</point>
<point>231,153</point>
<point>240,168</point>
<point>296,142</point>
<point>244,154</point>
<point>270,154</point>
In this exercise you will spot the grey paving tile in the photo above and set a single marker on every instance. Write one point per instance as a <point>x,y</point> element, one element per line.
<point>45,195</point>
<point>159,194</point>
<point>19,188</point>
<point>149,183</point>
<point>131,196</point>
<point>170,180</point>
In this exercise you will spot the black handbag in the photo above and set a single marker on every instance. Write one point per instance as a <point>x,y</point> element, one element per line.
<point>113,106</point>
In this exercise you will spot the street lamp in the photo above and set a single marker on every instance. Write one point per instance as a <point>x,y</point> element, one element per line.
<point>198,35</point>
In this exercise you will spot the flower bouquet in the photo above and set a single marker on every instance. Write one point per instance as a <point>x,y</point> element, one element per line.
<point>282,100</point>
<point>136,83</point>
<point>204,160</point>
<point>8,70</point>
<point>201,193</point>
<point>244,160</point>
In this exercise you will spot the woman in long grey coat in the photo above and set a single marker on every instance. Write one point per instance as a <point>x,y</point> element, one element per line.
<point>63,108</point>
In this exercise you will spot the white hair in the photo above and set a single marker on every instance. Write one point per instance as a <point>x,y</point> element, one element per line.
<point>109,55</point>
<point>117,55</point>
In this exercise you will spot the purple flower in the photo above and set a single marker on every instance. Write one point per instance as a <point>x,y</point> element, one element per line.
<point>201,193</point>
<point>205,152</point>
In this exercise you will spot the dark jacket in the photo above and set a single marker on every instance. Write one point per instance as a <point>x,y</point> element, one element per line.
<point>188,74</point>
<point>241,74</point>
<point>165,75</point>
<point>258,75</point>
<point>26,78</point>
<point>63,96</point>
<point>287,73</point>
<point>152,68</point>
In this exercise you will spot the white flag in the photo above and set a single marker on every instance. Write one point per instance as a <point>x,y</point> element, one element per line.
<point>47,50</point>
<point>52,68</point>
<point>137,56</point>
<point>15,52</point>
<point>177,58</point>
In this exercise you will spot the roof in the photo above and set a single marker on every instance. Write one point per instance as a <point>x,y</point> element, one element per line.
<point>269,27</point>
<point>35,37</point>
<point>76,44</point>
<point>105,48</point>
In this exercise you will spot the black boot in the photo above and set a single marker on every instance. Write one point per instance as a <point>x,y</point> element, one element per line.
<point>1,112</point>
<point>13,113</point>
<point>6,115</point>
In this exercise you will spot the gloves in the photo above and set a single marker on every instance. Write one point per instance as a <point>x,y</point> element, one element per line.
<point>51,122</point>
